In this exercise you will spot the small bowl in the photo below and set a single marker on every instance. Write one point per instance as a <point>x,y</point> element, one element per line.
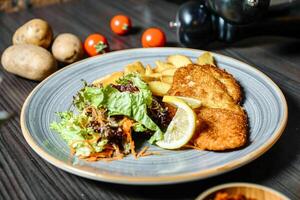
<point>250,190</point>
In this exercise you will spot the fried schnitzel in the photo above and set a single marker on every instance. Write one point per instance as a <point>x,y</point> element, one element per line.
<point>223,122</point>
<point>232,87</point>
<point>193,81</point>
<point>220,129</point>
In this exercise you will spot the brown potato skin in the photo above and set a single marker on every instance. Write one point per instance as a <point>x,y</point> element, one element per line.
<point>67,48</point>
<point>36,31</point>
<point>28,61</point>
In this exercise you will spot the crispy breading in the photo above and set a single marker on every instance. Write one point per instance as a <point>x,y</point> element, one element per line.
<point>222,122</point>
<point>192,81</point>
<point>220,129</point>
<point>232,86</point>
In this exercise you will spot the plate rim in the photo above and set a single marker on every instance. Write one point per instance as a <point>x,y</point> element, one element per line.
<point>158,180</point>
<point>216,188</point>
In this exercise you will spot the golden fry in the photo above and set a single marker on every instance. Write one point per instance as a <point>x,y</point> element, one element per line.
<point>179,60</point>
<point>134,67</point>
<point>150,75</point>
<point>169,72</point>
<point>109,79</point>
<point>167,79</point>
<point>148,70</point>
<point>159,88</point>
<point>161,66</point>
<point>206,58</point>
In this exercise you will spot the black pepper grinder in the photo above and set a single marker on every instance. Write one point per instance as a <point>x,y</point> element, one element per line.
<point>201,22</point>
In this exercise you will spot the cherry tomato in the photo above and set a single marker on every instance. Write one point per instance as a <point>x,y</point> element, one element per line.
<point>120,24</point>
<point>96,44</point>
<point>153,37</point>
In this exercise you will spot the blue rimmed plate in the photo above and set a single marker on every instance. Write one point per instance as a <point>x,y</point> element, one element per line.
<point>263,101</point>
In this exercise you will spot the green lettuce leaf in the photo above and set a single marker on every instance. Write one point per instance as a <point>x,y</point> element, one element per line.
<point>138,127</point>
<point>133,105</point>
<point>73,129</point>
<point>144,89</point>
<point>117,103</point>
<point>93,96</point>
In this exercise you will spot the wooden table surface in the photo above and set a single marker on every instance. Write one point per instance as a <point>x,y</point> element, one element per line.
<point>24,175</point>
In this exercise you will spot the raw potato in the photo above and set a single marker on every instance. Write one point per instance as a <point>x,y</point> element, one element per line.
<point>179,60</point>
<point>206,58</point>
<point>29,61</point>
<point>109,79</point>
<point>135,67</point>
<point>67,48</point>
<point>159,88</point>
<point>36,32</point>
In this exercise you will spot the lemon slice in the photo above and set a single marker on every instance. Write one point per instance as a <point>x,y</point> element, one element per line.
<point>193,103</point>
<point>182,126</point>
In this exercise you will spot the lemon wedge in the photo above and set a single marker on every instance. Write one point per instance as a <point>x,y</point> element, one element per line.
<point>182,126</point>
<point>193,103</point>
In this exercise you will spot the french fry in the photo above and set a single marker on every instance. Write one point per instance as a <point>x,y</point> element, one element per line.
<point>169,72</point>
<point>167,79</point>
<point>161,66</point>
<point>109,79</point>
<point>148,70</point>
<point>150,75</point>
<point>135,67</point>
<point>146,78</point>
<point>159,88</point>
<point>156,75</point>
<point>153,76</point>
<point>206,58</point>
<point>179,60</point>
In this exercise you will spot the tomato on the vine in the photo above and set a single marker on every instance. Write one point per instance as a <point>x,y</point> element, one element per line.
<point>96,44</point>
<point>153,37</point>
<point>120,24</point>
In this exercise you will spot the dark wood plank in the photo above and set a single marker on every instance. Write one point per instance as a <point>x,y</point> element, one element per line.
<point>24,175</point>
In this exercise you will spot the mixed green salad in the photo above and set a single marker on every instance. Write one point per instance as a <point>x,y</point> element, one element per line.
<point>108,118</point>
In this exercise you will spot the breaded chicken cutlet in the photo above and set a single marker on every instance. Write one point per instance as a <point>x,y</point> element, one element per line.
<point>220,129</point>
<point>232,86</point>
<point>223,122</point>
<point>193,81</point>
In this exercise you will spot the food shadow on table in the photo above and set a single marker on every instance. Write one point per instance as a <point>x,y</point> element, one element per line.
<point>263,171</point>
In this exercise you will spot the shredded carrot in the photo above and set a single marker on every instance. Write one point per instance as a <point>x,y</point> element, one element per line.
<point>111,152</point>
<point>99,155</point>
<point>103,154</point>
<point>118,153</point>
<point>126,126</point>
<point>142,151</point>
<point>73,151</point>
<point>91,159</point>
